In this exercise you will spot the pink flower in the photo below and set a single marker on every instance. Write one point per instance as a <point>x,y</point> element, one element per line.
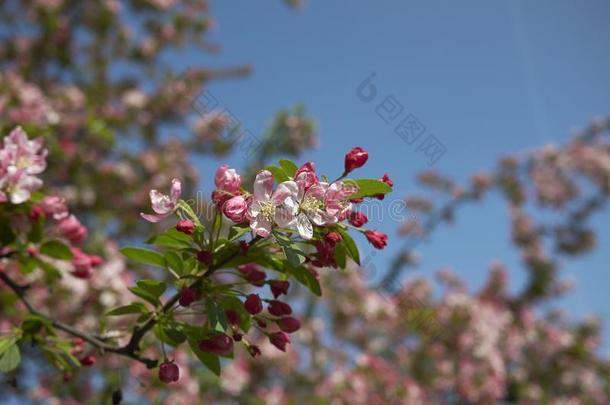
<point>20,160</point>
<point>236,209</point>
<point>18,185</point>
<point>164,205</point>
<point>72,229</point>
<point>355,158</point>
<point>54,207</point>
<point>307,173</point>
<point>268,207</point>
<point>379,240</point>
<point>23,153</point>
<point>337,198</point>
<point>227,180</point>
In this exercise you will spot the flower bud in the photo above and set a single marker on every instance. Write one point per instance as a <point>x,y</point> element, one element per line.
<point>253,304</point>
<point>386,179</point>
<point>88,361</point>
<point>379,240</point>
<point>188,295</point>
<point>220,344</point>
<point>279,308</point>
<point>254,350</point>
<point>357,219</point>
<point>204,256</point>
<point>72,229</point>
<point>235,209</point>
<point>332,238</point>
<point>251,273</point>
<point>169,372</point>
<point>289,324</point>
<point>185,226</point>
<point>279,340</point>
<point>279,287</point>
<point>227,179</point>
<point>232,316</point>
<point>355,158</point>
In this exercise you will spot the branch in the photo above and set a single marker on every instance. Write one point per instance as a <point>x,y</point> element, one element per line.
<point>21,291</point>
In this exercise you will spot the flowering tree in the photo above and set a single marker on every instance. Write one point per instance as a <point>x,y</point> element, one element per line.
<point>203,310</point>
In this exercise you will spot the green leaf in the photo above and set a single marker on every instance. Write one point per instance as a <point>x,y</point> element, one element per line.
<point>145,295</point>
<point>289,167</point>
<point>237,231</point>
<point>369,187</point>
<point>294,255</point>
<point>7,236</point>
<point>56,249</point>
<point>144,256</point>
<point>212,362</point>
<point>164,240</point>
<point>339,255</point>
<point>33,323</point>
<point>35,234</point>
<point>154,287</point>
<point>10,359</point>
<point>305,277</point>
<point>133,308</point>
<point>350,245</point>
<point>278,173</point>
<point>174,262</point>
<point>6,342</point>
<point>169,334</point>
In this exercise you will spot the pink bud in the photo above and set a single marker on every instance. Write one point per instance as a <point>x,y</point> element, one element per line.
<point>379,240</point>
<point>72,229</point>
<point>332,238</point>
<point>227,179</point>
<point>357,219</point>
<point>232,316</point>
<point>355,158</point>
<point>54,207</point>
<point>185,226</point>
<point>251,273</point>
<point>235,209</point>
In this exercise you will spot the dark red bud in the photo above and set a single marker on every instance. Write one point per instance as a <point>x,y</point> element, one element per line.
<point>169,372</point>
<point>253,304</point>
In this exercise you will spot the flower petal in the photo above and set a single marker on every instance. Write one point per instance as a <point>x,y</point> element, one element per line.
<point>176,190</point>
<point>284,190</point>
<point>263,185</point>
<point>304,227</point>
<point>261,226</point>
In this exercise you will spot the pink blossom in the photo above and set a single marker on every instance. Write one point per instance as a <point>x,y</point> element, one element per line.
<point>72,229</point>
<point>236,209</point>
<point>227,179</point>
<point>20,160</point>
<point>54,207</point>
<point>164,205</point>
<point>268,207</point>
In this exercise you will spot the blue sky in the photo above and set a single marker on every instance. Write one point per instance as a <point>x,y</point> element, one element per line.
<point>485,78</point>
